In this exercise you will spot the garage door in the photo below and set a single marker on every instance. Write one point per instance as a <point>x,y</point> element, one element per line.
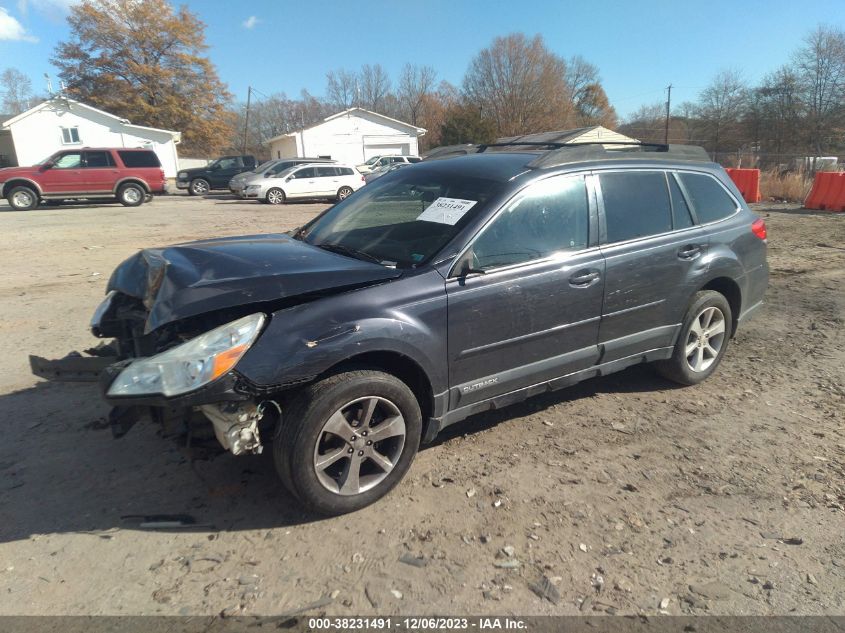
<point>386,149</point>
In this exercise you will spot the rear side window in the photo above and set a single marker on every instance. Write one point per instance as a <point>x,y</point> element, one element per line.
<point>552,216</point>
<point>98,159</point>
<point>709,199</point>
<point>326,172</point>
<point>139,159</point>
<point>636,204</point>
<point>681,217</point>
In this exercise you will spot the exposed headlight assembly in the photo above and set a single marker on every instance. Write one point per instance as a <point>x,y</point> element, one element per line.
<point>192,364</point>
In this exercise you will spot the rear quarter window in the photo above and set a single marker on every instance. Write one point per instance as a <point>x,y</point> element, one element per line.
<point>139,159</point>
<point>636,204</point>
<point>709,199</point>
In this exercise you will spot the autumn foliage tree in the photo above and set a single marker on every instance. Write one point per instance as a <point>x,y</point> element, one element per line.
<point>145,61</point>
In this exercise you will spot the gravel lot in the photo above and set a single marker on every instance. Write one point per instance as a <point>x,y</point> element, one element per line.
<point>628,494</point>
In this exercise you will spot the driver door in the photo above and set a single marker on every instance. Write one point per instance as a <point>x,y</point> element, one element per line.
<point>525,299</point>
<point>302,183</point>
<point>64,175</point>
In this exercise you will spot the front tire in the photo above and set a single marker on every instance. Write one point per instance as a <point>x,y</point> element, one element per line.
<point>131,195</point>
<point>199,187</point>
<point>345,441</point>
<point>22,199</point>
<point>704,337</point>
<point>275,196</point>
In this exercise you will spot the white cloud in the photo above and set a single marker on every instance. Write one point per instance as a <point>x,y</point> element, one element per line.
<point>11,29</point>
<point>250,22</point>
<point>46,6</point>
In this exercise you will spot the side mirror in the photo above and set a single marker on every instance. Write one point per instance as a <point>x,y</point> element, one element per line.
<point>289,178</point>
<point>46,166</point>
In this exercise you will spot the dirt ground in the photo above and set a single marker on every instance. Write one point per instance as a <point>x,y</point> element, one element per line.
<point>628,494</point>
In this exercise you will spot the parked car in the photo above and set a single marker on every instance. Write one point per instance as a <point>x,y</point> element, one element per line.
<point>269,169</point>
<point>377,162</point>
<point>381,171</point>
<point>131,176</point>
<point>459,286</point>
<point>309,180</point>
<point>215,175</point>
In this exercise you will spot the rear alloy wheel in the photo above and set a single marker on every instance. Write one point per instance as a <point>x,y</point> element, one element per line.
<point>22,199</point>
<point>347,440</point>
<point>199,187</point>
<point>343,193</point>
<point>131,195</point>
<point>275,196</point>
<point>704,337</point>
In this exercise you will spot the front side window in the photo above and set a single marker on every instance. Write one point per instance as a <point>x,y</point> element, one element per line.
<point>709,199</point>
<point>71,160</point>
<point>551,216</point>
<point>402,221</point>
<point>70,135</point>
<point>636,204</point>
<point>229,163</point>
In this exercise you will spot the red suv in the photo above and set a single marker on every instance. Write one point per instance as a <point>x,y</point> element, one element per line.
<point>130,175</point>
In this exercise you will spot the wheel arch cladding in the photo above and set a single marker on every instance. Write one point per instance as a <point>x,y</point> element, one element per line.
<point>728,288</point>
<point>132,181</point>
<point>20,182</point>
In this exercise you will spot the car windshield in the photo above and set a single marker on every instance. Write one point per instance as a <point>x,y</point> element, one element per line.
<point>401,220</point>
<point>263,166</point>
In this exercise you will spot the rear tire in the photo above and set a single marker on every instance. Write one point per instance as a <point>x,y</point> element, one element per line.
<point>343,193</point>
<point>131,195</point>
<point>22,198</point>
<point>342,413</point>
<point>702,342</point>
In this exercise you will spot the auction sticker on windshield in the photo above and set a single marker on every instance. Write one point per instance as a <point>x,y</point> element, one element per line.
<point>446,210</point>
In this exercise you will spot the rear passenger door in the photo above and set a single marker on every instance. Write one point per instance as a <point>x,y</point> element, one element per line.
<point>328,182</point>
<point>100,172</point>
<point>654,255</point>
<point>529,309</point>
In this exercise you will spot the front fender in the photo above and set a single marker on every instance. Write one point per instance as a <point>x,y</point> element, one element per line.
<point>406,316</point>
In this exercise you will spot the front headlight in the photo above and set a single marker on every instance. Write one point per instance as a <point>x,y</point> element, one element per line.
<point>253,187</point>
<point>192,364</point>
<point>183,175</point>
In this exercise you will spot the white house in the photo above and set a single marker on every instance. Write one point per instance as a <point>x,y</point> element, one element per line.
<point>61,123</point>
<point>351,136</point>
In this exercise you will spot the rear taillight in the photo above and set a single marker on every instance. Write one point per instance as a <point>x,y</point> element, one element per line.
<point>363,179</point>
<point>759,228</point>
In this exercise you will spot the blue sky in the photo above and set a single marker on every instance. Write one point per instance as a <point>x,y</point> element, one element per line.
<point>640,46</point>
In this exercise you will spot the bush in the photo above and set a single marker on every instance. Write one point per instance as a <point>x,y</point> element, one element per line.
<point>788,187</point>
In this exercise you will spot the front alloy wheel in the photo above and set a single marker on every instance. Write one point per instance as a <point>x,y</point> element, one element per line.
<point>359,445</point>
<point>346,440</point>
<point>199,187</point>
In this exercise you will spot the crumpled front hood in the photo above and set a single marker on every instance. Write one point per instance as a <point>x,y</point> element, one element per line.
<point>186,280</point>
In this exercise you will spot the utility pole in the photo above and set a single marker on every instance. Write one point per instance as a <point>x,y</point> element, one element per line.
<point>668,105</point>
<point>246,124</point>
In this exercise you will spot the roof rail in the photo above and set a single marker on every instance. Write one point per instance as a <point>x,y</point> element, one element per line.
<point>450,151</point>
<point>598,150</point>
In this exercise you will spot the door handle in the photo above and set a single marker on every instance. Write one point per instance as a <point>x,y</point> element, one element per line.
<point>690,251</point>
<point>584,278</point>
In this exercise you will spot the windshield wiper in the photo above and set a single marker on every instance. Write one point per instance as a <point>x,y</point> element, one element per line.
<point>348,251</point>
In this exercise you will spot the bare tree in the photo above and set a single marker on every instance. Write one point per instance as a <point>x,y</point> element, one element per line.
<point>520,85</point>
<point>342,88</point>
<point>646,123</point>
<point>375,86</point>
<point>820,67</point>
<point>15,92</point>
<point>415,84</point>
<point>721,106</point>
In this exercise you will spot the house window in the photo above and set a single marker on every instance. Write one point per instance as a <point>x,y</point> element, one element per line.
<point>70,135</point>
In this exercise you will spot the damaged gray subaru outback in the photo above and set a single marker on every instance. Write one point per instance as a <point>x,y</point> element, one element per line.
<point>455,286</point>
